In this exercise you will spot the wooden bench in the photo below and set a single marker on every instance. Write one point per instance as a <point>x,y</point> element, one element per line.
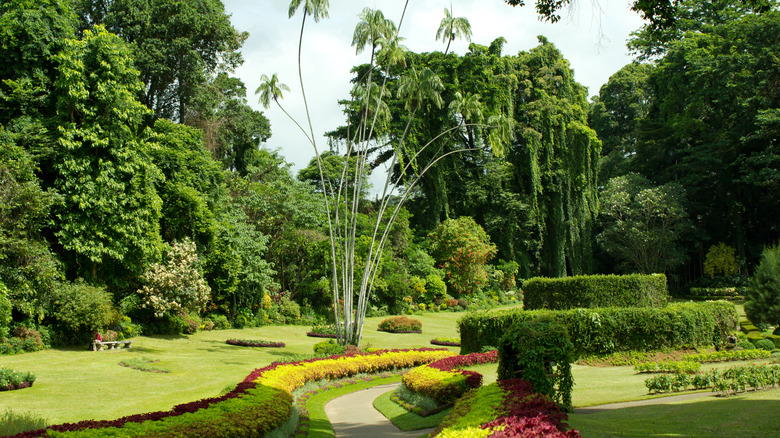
<point>110,345</point>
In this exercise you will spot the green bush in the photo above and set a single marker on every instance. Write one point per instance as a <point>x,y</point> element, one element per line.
<point>540,352</point>
<point>762,298</point>
<point>765,344</point>
<point>747,345</point>
<point>588,291</point>
<point>327,348</point>
<point>775,338</point>
<point>400,324</point>
<point>12,423</point>
<point>289,309</point>
<point>435,287</point>
<point>607,330</point>
<point>79,309</point>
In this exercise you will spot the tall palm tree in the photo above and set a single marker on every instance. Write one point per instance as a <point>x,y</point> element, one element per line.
<point>453,27</point>
<point>373,28</point>
<point>270,89</point>
<point>468,110</point>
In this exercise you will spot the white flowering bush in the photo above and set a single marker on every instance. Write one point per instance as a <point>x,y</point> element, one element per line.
<point>177,286</point>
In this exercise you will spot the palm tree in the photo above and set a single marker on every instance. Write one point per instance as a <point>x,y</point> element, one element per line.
<point>372,28</point>
<point>269,89</point>
<point>468,109</point>
<point>416,88</point>
<point>453,27</point>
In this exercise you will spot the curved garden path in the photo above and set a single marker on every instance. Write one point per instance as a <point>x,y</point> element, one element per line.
<point>354,416</point>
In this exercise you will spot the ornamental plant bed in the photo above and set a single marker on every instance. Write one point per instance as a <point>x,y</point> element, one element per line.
<point>446,342</point>
<point>324,331</point>
<point>254,343</point>
<point>400,324</point>
<point>11,380</point>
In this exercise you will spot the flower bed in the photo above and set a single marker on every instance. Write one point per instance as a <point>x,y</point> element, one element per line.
<point>447,342</point>
<point>508,408</point>
<point>259,404</point>
<point>11,380</point>
<point>324,331</point>
<point>254,343</point>
<point>400,324</point>
<point>440,383</point>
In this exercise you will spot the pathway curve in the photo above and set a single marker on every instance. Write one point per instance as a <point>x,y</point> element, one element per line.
<point>354,416</point>
<point>652,401</point>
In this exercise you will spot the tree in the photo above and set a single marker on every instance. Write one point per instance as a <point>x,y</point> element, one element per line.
<point>176,45</point>
<point>762,297</point>
<point>462,249</point>
<point>108,222</point>
<point>643,224</point>
<point>451,28</point>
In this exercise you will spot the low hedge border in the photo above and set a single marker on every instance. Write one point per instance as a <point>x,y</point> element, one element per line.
<point>11,380</point>
<point>260,403</point>
<point>588,291</point>
<point>446,342</point>
<point>728,382</point>
<point>612,329</point>
<point>254,343</point>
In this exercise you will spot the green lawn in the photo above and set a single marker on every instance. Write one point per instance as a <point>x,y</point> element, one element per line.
<point>76,384</point>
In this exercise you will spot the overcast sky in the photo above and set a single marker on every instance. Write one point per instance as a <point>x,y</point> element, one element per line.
<point>592,39</point>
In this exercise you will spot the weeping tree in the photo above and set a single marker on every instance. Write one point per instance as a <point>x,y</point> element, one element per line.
<point>354,275</point>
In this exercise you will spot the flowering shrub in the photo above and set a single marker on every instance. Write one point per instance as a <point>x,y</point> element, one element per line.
<point>254,343</point>
<point>10,379</point>
<point>175,287</point>
<point>462,249</point>
<point>400,324</point>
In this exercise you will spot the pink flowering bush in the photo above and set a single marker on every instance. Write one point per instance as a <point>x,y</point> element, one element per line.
<point>400,324</point>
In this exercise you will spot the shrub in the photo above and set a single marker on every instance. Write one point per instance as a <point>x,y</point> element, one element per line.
<point>289,309</point>
<point>5,311</point>
<point>762,305</point>
<point>747,345</point>
<point>435,287</point>
<point>327,348</point>
<point>765,344</point>
<point>176,287</point>
<point>540,352</point>
<point>10,379</point>
<point>79,309</point>
<point>608,330</point>
<point>400,324</point>
<point>447,342</point>
<point>588,291</point>
<point>324,331</point>
<point>462,248</point>
<point>254,343</point>
<point>721,259</point>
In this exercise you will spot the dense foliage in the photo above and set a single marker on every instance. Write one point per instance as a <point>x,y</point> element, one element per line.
<point>762,304</point>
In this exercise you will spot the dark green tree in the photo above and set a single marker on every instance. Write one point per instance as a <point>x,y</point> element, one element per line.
<point>762,298</point>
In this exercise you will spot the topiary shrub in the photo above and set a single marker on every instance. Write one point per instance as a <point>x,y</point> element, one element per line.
<point>765,344</point>
<point>746,345</point>
<point>589,291</point>
<point>541,353</point>
<point>400,324</point>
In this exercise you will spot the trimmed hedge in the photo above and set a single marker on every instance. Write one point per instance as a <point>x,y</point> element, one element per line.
<point>589,291</point>
<point>607,330</point>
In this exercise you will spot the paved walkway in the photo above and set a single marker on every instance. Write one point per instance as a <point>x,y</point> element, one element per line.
<point>652,401</point>
<point>354,416</point>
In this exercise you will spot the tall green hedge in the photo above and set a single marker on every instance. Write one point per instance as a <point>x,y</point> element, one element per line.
<point>588,291</point>
<point>606,330</point>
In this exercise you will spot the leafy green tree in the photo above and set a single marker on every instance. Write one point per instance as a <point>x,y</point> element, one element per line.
<point>108,222</point>
<point>643,224</point>
<point>176,44</point>
<point>711,129</point>
<point>615,114</point>
<point>762,298</point>
<point>721,260</point>
<point>462,249</point>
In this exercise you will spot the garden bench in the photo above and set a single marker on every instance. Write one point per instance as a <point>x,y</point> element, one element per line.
<point>98,345</point>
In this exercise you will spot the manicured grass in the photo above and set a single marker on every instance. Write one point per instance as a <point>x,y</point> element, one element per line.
<point>747,415</point>
<point>404,419</point>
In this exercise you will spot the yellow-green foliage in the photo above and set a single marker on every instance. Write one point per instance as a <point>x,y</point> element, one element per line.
<point>471,411</point>
<point>442,386</point>
<point>721,260</point>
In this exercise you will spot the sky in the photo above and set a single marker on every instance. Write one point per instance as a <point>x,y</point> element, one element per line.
<point>591,35</point>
